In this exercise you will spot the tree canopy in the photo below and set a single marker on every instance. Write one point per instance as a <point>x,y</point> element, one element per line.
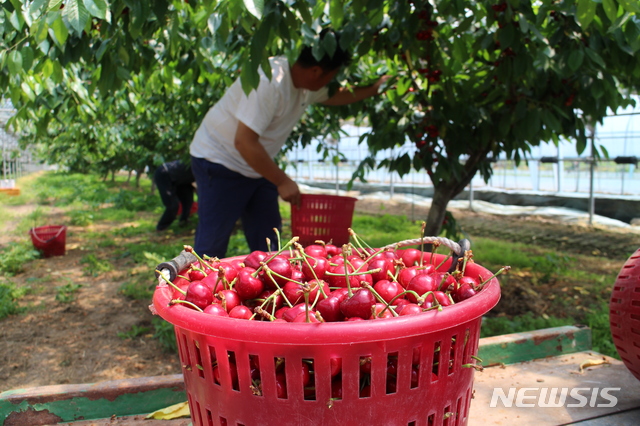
<point>103,84</point>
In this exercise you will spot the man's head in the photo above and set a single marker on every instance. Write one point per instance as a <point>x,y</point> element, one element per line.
<point>313,74</point>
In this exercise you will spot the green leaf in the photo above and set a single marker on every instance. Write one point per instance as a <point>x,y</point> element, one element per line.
<point>329,43</point>
<point>551,121</point>
<point>249,77</point>
<point>630,5</point>
<point>402,85</point>
<point>98,8</point>
<point>39,29</point>
<point>14,62</point>
<point>76,14</point>
<point>336,13</point>
<point>610,9</point>
<point>255,7</point>
<point>576,58</point>
<point>27,57</point>
<point>586,12</point>
<point>16,20</point>
<point>593,55</point>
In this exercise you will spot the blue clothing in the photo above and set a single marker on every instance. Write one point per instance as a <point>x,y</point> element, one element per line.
<point>224,196</point>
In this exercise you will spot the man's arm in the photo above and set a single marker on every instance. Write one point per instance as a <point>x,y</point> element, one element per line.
<point>248,145</point>
<point>346,96</point>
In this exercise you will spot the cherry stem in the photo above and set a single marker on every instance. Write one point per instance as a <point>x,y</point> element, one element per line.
<point>263,313</point>
<point>277,231</point>
<point>502,270</point>
<point>360,243</point>
<point>190,249</point>
<point>168,281</point>
<point>346,270</point>
<point>184,302</point>
<point>273,256</point>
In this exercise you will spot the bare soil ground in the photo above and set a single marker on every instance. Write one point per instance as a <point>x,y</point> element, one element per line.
<point>56,342</point>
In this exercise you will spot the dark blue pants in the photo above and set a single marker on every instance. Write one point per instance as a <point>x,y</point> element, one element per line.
<point>225,196</point>
<point>173,194</point>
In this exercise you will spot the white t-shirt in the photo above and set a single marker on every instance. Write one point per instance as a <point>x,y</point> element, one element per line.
<point>272,111</point>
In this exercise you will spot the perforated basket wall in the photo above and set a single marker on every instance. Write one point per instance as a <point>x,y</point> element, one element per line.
<point>624,314</point>
<point>432,384</point>
<point>322,217</point>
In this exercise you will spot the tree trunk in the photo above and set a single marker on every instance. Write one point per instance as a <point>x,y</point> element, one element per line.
<point>445,191</point>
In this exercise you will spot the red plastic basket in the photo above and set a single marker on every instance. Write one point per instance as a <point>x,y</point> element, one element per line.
<point>50,240</point>
<point>322,217</point>
<point>194,208</point>
<point>437,345</point>
<point>624,314</point>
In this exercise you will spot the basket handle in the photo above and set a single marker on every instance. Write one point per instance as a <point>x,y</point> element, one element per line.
<point>175,265</point>
<point>458,249</point>
<point>47,241</point>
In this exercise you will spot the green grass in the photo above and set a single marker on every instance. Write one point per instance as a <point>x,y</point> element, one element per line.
<point>10,294</point>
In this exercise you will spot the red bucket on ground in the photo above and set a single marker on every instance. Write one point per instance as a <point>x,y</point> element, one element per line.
<point>430,353</point>
<point>50,240</point>
<point>624,314</point>
<point>322,217</point>
<point>194,208</point>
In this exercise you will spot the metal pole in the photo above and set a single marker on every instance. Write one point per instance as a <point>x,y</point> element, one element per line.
<point>592,167</point>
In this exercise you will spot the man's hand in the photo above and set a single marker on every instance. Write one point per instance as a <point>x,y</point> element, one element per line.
<point>345,96</point>
<point>290,192</point>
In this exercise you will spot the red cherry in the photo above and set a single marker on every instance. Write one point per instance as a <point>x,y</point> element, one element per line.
<point>290,314</point>
<point>281,385</point>
<point>315,268</point>
<point>216,309</point>
<point>336,366</point>
<point>421,284</point>
<point>316,250</point>
<point>407,274</point>
<point>440,296</point>
<point>464,292</point>
<point>281,266</point>
<point>388,290</point>
<point>229,299</point>
<point>386,267</point>
<point>332,250</point>
<point>410,309</point>
<point>255,258</point>
<point>303,317</point>
<point>411,257</point>
<point>359,305</point>
<point>241,312</point>
<point>329,308</point>
<point>196,275</point>
<point>199,294</point>
<point>248,286</point>
<point>277,300</point>
<point>381,311</point>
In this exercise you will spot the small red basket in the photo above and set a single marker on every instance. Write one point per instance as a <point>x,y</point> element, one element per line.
<point>194,208</point>
<point>50,240</point>
<point>624,314</point>
<point>432,352</point>
<point>322,217</point>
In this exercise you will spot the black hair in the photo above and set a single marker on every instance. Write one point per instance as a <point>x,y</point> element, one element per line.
<point>327,63</point>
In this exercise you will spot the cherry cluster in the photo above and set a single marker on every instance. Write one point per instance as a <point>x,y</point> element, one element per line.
<point>324,283</point>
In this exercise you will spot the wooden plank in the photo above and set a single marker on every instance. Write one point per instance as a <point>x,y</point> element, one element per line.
<point>10,191</point>
<point>556,391</point>
<point>526,346</point>
<point>64,403</point>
